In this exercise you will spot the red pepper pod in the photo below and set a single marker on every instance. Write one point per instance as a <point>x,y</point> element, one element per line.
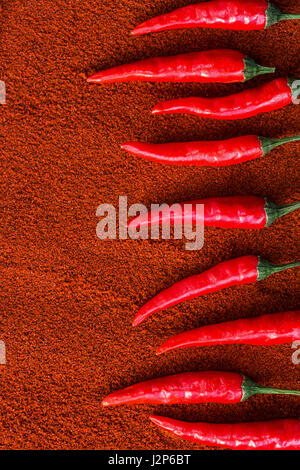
<point>275,328</point>
<point>243,212</point>
<point>207,153</point>
<point>192,387</point>
<point>280,434</point>
<point>213,66</point>
<point>188,387</point>
<point>264,98</point>
<point>238,15</point>
<point>234,272</point>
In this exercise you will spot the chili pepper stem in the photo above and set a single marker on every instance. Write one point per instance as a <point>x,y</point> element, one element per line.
<point>265,268</point>
<point>273,15</point>
<point>289,16</point>
<point>274,212</point>
<point>251,388</point>
<point>269,144</point>
<point>252,69</point>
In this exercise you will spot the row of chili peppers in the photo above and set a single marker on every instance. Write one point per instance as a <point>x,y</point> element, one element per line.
<point>225,66</point>
<point>222,66</point>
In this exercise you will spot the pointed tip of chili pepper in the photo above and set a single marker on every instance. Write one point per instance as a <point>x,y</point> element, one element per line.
<point>156,419</point>
<point>127,146</point>
<point>159,351</point>
<point>139,149</point>
<point>162,349</point>
<point>114,399</point>
<point>142,28</point>
<point>144,313</point>
<point>104,76</point>
<point>166,107</point>
<point>137,320</point>
<point>168,345</point>
<point>138,31</point>
<point>162,422</point>
<point>93,79</point>
<point>135,223</point>
<point>157,110</point>
<point>106,402</point>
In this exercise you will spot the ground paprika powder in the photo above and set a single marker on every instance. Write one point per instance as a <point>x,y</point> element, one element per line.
<point>67,298</point>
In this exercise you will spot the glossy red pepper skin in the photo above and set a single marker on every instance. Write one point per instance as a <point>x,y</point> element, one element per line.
<point>213,66</point>
<point>238,15</point>
<point>225,212</point>
<point>207,153</point>
<point>241,212</point>
<point>189,387</point>
<point>192,387</point>
<point>264,98</point>
<point>276,328</point>
<point>238,271</point>
<point>229,273</point>
<point>281,434</point>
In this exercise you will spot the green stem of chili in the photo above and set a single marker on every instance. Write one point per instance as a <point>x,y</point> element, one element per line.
<point>274,212</point>
<point>252,69</point>
<point>273,15</point>
<point>268,144</point>
<point>251,388</point>
<point>265,268</point>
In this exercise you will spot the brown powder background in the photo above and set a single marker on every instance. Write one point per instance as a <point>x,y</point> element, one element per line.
<point>67,298</point>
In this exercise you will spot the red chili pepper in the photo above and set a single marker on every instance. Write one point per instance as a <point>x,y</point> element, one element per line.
<point>234,272</point>
<point>276,328</point>
<point>247,212</point>
<point>220,65</point>
<point>239,15</point>
<point>264,98</point>
<point>208,153</point>
<point>193,387</point>
<point>279,434</point>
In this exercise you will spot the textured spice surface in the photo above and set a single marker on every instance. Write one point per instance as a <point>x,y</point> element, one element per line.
<point>67,298</point>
